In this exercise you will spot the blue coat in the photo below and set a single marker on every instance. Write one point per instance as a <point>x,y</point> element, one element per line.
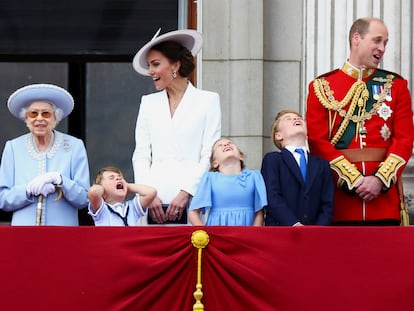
<point>21,163</point>
<point>290,199</point>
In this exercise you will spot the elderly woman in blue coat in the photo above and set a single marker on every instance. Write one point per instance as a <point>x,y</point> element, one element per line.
<point>44,174</point>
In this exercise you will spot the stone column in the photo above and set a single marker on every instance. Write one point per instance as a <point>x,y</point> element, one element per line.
<point>233,67</point>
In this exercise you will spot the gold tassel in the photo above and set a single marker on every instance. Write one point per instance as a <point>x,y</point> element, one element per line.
<point>200,239</point>
<point>405,216</point>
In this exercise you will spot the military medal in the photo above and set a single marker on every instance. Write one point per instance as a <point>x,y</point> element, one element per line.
<point>376,91</point>
<point>388,97</point>
<point>384,111</point>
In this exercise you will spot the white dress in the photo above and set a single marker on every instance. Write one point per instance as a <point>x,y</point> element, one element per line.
<point>172,153</point>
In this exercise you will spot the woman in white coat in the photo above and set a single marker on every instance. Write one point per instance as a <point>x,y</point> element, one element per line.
<point>176,127</point>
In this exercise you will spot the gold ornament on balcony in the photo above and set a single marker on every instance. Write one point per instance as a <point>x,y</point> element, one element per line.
<point>200,239</point>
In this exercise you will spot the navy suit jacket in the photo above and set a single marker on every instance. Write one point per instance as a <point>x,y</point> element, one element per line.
<point>290,199</point>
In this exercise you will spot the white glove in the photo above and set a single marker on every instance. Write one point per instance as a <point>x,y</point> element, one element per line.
<point>53,177</point>
<point>47,189</point>
<point>35,186</point>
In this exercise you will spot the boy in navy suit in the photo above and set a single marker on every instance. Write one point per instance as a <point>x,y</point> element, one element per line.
<point>299,185</point>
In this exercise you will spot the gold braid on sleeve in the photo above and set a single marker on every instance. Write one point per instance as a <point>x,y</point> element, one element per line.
<point>346,171</point>
<point>388,169</point>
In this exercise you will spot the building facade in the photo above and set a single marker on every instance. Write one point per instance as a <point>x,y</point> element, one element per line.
<point>261,55</point>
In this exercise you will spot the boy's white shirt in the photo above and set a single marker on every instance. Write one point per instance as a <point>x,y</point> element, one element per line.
<point>104,217</point>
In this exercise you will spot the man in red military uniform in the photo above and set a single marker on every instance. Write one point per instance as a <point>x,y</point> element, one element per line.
<point>361,120</point>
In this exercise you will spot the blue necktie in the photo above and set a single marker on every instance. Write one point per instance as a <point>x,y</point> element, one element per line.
<point>302,162</point>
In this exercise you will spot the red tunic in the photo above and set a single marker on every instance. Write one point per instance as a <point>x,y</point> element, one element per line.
<point>387,126</point>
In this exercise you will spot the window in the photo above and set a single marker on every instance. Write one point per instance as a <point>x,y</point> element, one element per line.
<point>86,47</point>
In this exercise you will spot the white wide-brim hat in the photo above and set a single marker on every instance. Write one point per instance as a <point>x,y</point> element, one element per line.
<point>189,38</point>
<point>50,93</point>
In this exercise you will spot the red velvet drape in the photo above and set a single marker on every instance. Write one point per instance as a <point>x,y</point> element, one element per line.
<point>243,268</point>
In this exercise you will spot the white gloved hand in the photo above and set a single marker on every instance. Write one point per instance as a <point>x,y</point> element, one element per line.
<point>54,178</point>
<point>47,189</point>
<point>35,186</point>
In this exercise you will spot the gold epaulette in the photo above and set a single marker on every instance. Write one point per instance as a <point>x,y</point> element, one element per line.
<point>327,73</point>
<point>346,171</point>
<point>396,75</point>
<point>387,171</point>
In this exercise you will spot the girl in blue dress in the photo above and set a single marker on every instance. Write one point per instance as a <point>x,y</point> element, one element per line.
<point>233,194</point>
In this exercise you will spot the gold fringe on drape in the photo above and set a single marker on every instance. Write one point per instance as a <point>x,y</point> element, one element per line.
<point>405,216</point>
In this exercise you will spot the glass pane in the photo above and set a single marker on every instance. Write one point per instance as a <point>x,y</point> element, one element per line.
<point>114,92</point>
<point>80,28</point>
